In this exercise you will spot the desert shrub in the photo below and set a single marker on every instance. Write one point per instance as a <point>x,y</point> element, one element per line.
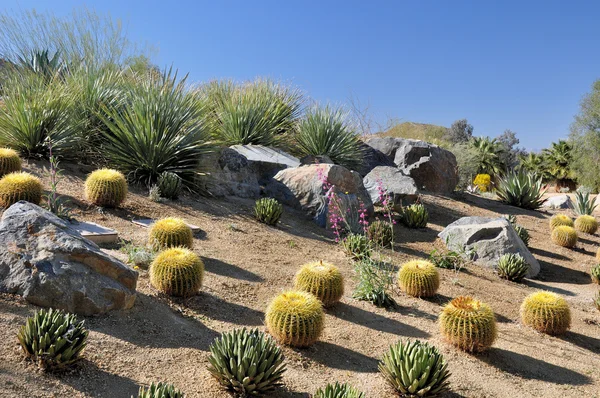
<point>586,224</point>
<point>467,162</point>
<point>169,185</point>
<point>338,390</point>
<point>268,211</point>
<point>246,362</point>
<point>52,338</point>
<point>20,186</point>
<point>170,232</point>
<point>160,390</point>
<point>468,324</point>
<point>546,312</point>
<point>375,282</point>
<point>564,236</point>
<point>139,256</point>
<point>177,272</point>
<point>161,129</point>
<point>106,188</point>
<point>10,161</point>
<point>595,273</point>
<point>521,189</point>
<point>415,369</point>
<point>448,260</point>
<point>584,206</point>
<point>357,246</point>
<point>414,216</point>
<point>295,318</point>
<point>326,131</point>
<point>419,278</point>
<point>512,267</point>
<point>483,182</point>
<point>558,220</point>
<point>322,279</point>
<point>381,233</point>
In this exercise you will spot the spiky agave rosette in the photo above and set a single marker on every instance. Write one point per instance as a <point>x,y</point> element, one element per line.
<point>322,279</point>
<point>106,188</point>
<point>177,272</point>
<point>160,390</point>
<point>419,278</point>
<point>595,273</point>
<point>381,233</point>
<point>170,232</point>
<point>247,362</point>
<point>295,318</point>
<point>338,390</point>
<point>20,186</point>
<point>10,161</point>
<point>546,312</point>
<point>414,216</point>
<point>513,267</point>
<point>468,324</point>
<point>169,185</point>
<point>564,236</point>
<point>268,211</point>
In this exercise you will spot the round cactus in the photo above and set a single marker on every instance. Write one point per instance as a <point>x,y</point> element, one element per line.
<point>564,236</point>
<point>419,278</point>
<point>177,272</point>
<point>20,186</point>
<point>338,390</point>
<point>546,312</point>
<point>170,232</point>
<point>595,274</point>
<point>106,188</point>
<point>9,161</point>
<point>512,267</point>
<point>381,233</point>
<point>295,318</point>
<point>468,324</point>
<point>321,279</point>
<point>586,224</point>
<point>169,185</point>
<point>561,219</point>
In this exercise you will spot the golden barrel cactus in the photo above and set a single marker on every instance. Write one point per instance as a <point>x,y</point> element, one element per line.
<point>546,312</point>
<point>170,232</point>
<point>20,186</point>
<point>321,279</point>
<point>177,272</point>
<point>564,236</point>
<point>561,219</point>
<point>586,224</point>
<point>468,324</point>
<point>419,278</point>
<point>295,318</point>
<point>106,188</point>
<point>10,161</point>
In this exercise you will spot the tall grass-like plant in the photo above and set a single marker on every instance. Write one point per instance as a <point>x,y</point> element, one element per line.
<point>583,206</point>
<point>521,189</point>
<point>327,131</point>
<point>162,129</point>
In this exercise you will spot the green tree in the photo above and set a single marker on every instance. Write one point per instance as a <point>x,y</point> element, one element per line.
<point>460,131</point>
<point>533,163</point>
<point>558,159</point>
<point>489,155</point>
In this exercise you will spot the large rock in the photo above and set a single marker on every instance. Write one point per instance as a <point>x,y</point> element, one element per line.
<point>303,188</point>
<point>372,158</point>
<point>434,169</point>
<point>558,202</point>
<point>51,265</point>
<point>242,170</point>
<point>487,239</point>
<point>392,180</point>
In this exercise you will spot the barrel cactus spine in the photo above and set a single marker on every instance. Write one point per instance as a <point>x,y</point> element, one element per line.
<point>468,324</point>
<point>419,278</point>
<point>177,272</point>
<point>564,236</point>
<point>561,219</point>
<point>106,188</point>
<point>586,224</point>
<point>170,232</point>
<point>546,312</point>
<point>322,279</point>
<point>10,161</point>
<point>20,186</point>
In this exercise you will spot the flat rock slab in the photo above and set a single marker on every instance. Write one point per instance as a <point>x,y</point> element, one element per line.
<point>96,232</point>
<point>147,222</point>
<point>259,153</point>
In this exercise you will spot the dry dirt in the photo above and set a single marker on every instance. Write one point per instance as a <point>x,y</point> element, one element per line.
<point>248,263</point>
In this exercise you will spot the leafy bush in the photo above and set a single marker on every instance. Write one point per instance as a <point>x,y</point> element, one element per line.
<point>268,211</point>
<point>246,361</point>
<point>328,132</point>
<point>375,282</point>
<point>449,260</point>
<point>584,206</point>
<point>338,390</point>
<point>160,390</point>
<point>52,338</point>
<point>467,162</point>
<point>138,256</point>
<point>512,267</point>
<point>521,189</point>
<point>415,369</point>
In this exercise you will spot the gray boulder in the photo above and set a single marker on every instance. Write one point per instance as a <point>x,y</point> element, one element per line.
<point>487,239</point>
<point>434,169</point>
<point>51,265</point>
<point>373,158</point>
<point>399,186</point>
<point>558,202</point>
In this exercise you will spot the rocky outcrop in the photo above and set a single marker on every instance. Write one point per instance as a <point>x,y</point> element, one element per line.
<point>487,239</point>
<point>392,180</point>
<point>434,169</point>
<point>558,202</point>
<point>51,265</point>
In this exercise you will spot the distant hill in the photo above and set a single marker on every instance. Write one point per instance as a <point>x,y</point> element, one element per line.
<point>417,131</point>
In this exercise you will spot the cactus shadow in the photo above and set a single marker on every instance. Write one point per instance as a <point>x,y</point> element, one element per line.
<point>214,307</point>
<point>545,253</point>
<point>338,357</point>
<point>92,381</point>
<point>550,272</point>
<point>222,268</point>
<point>586,342</point>
<point>541,286</point>
<point>531,368</point>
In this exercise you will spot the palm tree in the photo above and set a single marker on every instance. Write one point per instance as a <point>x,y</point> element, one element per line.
<point>533,163</point>
<point>558,160</point>
<point>489,155</point>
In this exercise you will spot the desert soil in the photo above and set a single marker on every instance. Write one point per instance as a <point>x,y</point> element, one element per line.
<point>247,264</point>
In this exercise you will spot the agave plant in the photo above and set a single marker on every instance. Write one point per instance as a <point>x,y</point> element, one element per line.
<point>326,131</point>
<point>162,129</point>
<point>41,63</point>
<point>247,362</point>
<point>521,189</point>
<point>160,390</point>
<point>338,390</point>
<point>583,204</point>
<point>513,267</point>
<point>268,211</point>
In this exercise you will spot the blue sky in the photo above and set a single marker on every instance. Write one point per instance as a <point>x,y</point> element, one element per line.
<point>519,65</point>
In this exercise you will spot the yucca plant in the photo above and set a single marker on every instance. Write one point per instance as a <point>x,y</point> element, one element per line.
<point>327,131</point>
<point>583,206</point>
<point>162,129</point>
<point>247,362</point>
<point>52,338</point>
<point>338,390</point>
<point>160,390</point>
<point>415,369</point>
<point>521,189</point>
